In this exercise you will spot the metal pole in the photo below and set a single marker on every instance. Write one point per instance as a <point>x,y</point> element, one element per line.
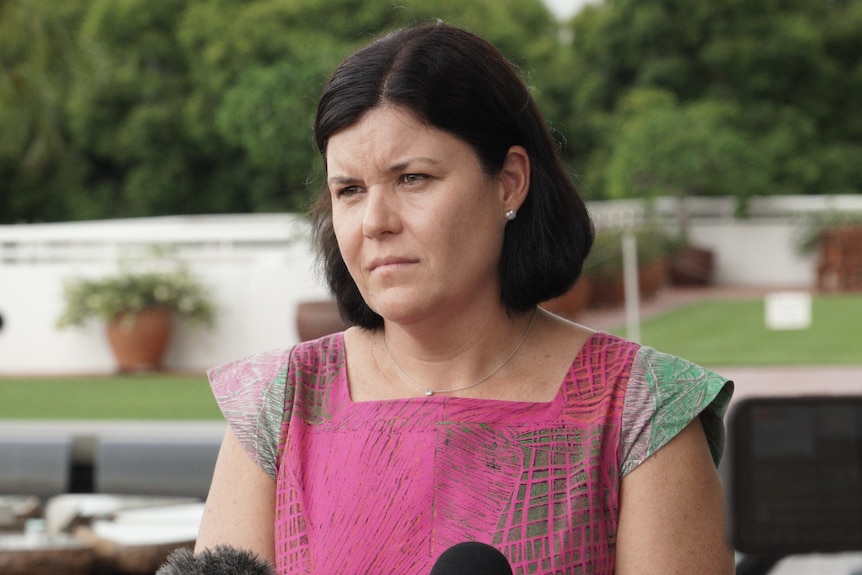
<point>630,285</point>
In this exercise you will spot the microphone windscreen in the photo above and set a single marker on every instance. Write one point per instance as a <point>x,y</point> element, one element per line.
<point>220,560</point>
<point>471,558</point>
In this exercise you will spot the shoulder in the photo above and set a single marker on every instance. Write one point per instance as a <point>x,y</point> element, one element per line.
<point>605,362</point>
<point>611,351</point>
<point>267,366</point>
<point>664,394</point>
<point>256,393</point>
<point>663,370</point>
<point>237,375</point>
<point>318,355</point>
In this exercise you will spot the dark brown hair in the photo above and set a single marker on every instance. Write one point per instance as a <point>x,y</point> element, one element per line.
<point>455,81</point>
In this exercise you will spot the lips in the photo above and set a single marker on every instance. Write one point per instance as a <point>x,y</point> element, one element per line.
<point>389,263</point>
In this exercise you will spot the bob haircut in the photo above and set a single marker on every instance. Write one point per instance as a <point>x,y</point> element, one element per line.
<point>457,82</point>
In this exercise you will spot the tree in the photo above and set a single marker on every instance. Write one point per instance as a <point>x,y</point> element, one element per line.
<point>264,110</point>
<point>787,69</point>
<point>205,106</point>
<point>662,148</point>
<point>42,63</point>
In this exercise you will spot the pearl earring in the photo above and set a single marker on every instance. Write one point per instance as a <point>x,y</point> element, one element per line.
<point>511,215</point>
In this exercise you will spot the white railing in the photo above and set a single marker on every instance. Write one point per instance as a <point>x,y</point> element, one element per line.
<point>191,237</point>
<point>625,213</point>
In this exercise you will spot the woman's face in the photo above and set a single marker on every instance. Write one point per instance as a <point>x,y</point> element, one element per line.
<point>419,224</point>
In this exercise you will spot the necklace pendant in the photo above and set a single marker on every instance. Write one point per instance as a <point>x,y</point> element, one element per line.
<point>428,393</point>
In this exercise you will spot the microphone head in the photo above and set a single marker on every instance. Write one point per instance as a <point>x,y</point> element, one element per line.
<point>220,560</point>
<point>471,558</point>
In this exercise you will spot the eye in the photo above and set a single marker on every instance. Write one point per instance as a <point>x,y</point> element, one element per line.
<point>411,179</point>
<point>347,191</point>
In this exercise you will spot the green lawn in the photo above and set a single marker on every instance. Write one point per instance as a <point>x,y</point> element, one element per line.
<point>733,332</point>
<point>110,397</point>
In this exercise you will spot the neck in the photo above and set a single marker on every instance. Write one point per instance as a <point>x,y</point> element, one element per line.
<point>457,361</point>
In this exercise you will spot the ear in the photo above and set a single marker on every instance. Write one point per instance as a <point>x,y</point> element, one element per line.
<point>515,178</point>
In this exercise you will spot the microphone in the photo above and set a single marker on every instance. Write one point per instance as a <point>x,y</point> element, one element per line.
<point>471,558</point>
<point>220,560</point>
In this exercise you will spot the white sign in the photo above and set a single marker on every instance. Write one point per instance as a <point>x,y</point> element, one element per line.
<point>788,310</point>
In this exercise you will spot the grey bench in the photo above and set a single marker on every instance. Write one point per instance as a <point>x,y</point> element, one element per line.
<point>35,466</point>
<point>171,467</point>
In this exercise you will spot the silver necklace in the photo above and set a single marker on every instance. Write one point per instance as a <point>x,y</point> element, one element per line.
<point>429,392</point>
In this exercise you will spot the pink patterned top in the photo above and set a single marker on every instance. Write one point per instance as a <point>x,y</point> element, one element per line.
<point>386,486</point>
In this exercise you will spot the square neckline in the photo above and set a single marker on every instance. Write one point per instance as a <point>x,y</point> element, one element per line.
<point>341,391</point>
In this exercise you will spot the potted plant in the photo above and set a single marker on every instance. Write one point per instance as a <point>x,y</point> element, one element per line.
<point>571,303</point>
<point>604,266</point>
<point>139,308</point>
<point>318,318</point>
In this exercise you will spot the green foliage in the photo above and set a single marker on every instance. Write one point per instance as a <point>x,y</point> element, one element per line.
<point>39,65</point>
<point>130,292</point>
<point>768,82</point>
<point>42,66</point>
<point>810,227</point>
<point>660,148</point>
<point>205,106</point>
<point>606,256</point>
<point>116,108</point>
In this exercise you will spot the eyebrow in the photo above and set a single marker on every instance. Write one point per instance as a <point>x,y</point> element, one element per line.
<point>400,166</point>
<point>406,163</point>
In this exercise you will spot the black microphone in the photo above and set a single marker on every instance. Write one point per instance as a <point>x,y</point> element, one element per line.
<point>220,560</point>
<point>471,558</point>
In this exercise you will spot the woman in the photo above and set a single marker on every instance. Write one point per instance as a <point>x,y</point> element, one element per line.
<point>455,409</point>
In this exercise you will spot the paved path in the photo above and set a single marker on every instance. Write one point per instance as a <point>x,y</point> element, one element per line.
<point>149,429</point>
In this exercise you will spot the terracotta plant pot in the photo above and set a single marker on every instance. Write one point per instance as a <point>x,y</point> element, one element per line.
<point>839,267</point>
<point>315,319</point>
<point>572,302</point>
<point>608,290</point>
<point>139,340</point>
<point>652,277</point>
<point>693,266</point>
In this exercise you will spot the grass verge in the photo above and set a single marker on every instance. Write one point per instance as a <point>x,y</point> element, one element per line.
<point>173,397</point>
<point>734,332</point>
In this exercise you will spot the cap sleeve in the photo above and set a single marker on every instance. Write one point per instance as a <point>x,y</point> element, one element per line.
<point>250,393</point>
<point>664,394</point>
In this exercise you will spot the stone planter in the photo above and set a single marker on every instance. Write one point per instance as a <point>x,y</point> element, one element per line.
<point>572,302</point>
<point>839,266</point>
<point>315,319</point>
<point>652,277</point>
<point>139,340</point>
<point>608,290</point>
<point>692,266</point>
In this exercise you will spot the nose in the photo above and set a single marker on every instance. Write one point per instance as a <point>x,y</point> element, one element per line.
<point>382,215</point>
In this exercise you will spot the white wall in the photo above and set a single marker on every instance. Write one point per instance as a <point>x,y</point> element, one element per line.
<point>755,253</point>
<point>256,280</point>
